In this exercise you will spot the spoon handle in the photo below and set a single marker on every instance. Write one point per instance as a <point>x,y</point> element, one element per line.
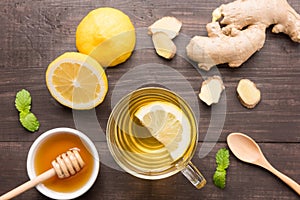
<point>290,182</point>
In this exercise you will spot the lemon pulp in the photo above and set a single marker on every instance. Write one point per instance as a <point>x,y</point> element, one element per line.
<point>77,81</point>
<point>168,124</point>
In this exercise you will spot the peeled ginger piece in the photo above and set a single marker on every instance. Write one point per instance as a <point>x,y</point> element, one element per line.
<point>168,25</point>
<point>211,90</point>
<point>163,45</point>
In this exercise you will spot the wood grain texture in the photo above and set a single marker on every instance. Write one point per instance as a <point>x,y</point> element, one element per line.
<point>33,33</point>
<point>244,181</point>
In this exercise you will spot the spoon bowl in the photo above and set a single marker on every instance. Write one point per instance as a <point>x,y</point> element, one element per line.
<point>244,147</point>
<point>247,150</point>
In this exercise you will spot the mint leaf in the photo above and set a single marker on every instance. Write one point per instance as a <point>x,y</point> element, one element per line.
<point>23,105</point>
<point>23,101</point>
<point>220,178</point>
<point>29,121</point>
<point>222,159</point>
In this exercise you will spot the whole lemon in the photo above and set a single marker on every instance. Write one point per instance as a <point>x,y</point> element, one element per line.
<point>107,35</point>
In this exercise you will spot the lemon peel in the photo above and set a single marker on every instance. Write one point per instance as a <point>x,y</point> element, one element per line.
<point>107,35</point>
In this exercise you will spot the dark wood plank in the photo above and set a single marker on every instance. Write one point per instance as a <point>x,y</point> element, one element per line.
<point>244,181</point>
<point>33,33</point>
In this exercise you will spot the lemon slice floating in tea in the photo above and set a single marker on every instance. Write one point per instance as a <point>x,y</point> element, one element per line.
<point>168,124</point>
<point>77,81</point>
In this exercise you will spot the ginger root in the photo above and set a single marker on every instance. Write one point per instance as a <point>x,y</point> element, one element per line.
<point>163,45</point>
<point>243,33</point>
<point>211,90</point>
<point>248,94</point>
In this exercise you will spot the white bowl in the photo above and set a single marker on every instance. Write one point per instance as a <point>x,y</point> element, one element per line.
<point>59,195</point>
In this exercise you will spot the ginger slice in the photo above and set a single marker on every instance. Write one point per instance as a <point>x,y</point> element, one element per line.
<point>248,94</point>
<point>169,25</point>
<point>211,90</point>
<point>163,45</point>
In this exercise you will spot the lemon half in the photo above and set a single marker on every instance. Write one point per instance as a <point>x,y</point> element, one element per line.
<point>168,124</point>
<point>77,81</point>
<point>107,35</point>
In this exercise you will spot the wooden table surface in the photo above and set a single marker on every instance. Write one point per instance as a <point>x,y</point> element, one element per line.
<point>33,33</point>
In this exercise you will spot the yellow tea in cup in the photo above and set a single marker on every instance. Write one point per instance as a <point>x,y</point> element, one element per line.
<point>152,134</point>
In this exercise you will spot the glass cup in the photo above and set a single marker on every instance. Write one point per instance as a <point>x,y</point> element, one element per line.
<point>137,151</point>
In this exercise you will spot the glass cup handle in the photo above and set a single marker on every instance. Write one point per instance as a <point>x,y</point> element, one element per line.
<point>193,175</point>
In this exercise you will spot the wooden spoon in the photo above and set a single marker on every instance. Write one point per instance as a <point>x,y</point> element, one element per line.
<point>247,150</point>
<point>64,165</point>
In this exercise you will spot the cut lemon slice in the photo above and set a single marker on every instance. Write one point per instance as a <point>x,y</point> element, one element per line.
<point>77,81</point>
<point>168,124</point>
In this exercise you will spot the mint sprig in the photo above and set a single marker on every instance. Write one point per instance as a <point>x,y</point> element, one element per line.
<point>23,104</point>
<point>222,160</point>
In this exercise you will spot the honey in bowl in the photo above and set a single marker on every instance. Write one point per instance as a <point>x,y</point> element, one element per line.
<point>55,145</point>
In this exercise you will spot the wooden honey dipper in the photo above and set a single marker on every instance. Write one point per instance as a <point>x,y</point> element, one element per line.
<point>65,165</point>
